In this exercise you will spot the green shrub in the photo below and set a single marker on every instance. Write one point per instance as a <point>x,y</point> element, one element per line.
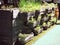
<point>26,6</point>
<point>48,24</point>
<point>37,28</point>
<point>22,36</point>
<point>54,19</point>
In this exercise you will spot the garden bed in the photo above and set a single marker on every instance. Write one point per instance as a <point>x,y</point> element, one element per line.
<point>37,17</point>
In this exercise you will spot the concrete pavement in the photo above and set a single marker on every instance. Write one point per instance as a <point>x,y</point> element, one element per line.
<point>52,37</point>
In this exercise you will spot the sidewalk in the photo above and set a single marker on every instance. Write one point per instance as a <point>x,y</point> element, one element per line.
<point>50,38</point>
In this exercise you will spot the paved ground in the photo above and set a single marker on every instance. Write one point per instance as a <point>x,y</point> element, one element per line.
<point>50,38</point>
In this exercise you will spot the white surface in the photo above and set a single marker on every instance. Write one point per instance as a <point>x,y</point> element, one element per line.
<point>15,13</point>
<point>50,38</point>
<point>0,3</point>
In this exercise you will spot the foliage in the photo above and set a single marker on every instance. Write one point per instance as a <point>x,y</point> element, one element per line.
<point>54,19</point>
<point>26,5</point>
<point>44,24</point>
<point>22,36</point>
<point>37,28</point>
<point>48,23</point>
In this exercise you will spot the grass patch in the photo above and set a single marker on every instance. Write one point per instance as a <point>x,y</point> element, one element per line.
<point>27,6</point>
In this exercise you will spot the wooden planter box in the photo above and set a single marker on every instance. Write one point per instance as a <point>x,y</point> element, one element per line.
<point>8,35</point>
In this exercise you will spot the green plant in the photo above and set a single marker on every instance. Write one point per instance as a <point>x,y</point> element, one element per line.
<point>54,19</point>
<point>26,6</point>
<point>39,18</point>
<point>44,24</point>
<point>32,20</point>
<point>22,36</point>
<point>48,24</point>
<point>37,28</point>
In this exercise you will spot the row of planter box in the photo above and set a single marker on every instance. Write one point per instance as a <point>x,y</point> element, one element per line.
<point>23,26</point>
<point>31,24</point>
